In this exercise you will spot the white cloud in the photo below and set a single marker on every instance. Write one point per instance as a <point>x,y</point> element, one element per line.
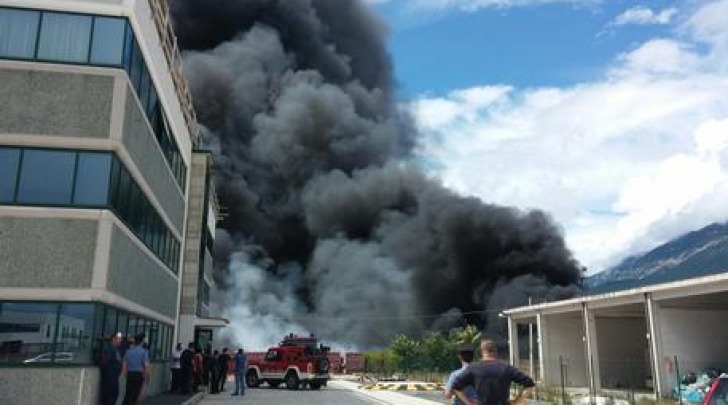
<point>623,163</point>
<point>641,15</point>
<point>474,5</point>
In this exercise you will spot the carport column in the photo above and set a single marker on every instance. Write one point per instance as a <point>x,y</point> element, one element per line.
<point>653,319</point>
<point>542,341</point>
<point>514,355</point>
<point>590,340</point>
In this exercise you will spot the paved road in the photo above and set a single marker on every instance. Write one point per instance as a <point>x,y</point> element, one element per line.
<point>265,396</point>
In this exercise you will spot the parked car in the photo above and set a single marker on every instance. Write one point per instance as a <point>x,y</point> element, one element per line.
<point>718,393</point>
<point>60,357</point>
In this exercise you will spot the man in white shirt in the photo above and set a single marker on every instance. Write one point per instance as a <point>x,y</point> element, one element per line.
<point>176,354</point>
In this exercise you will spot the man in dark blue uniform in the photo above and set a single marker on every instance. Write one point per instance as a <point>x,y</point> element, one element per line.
<point>110,367</point>
<point>491,378</point>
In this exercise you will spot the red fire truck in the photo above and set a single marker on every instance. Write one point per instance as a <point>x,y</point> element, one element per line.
<point>297,362</point>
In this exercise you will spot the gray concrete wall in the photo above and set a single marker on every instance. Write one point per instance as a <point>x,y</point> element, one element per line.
<point>135,275</point>
<point>62,385</point>
<point>140,142</point>
<point>54,103</point>
<point>39,252</point>
<point>57,385</point>
<point>195,220</point>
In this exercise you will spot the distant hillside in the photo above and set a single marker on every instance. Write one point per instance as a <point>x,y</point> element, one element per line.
<point>694,254</point>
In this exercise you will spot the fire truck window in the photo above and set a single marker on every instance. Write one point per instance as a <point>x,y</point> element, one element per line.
<point>272,355</point>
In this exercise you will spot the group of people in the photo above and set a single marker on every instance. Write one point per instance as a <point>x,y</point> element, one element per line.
<point>485,382</point>
<point>192,368</point>
<point>131,360</point>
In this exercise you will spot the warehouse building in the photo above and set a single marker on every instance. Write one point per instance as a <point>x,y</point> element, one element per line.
<point>642,339</point>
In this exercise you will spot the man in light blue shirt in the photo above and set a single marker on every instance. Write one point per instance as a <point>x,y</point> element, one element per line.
<point>241,364</point>
<point>465,355</point>
<point>136,367</point>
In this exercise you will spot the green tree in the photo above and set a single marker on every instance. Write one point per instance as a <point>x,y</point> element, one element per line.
<point>438,352</point>
<point>469,334</point>
<point>380,362</point>
<point>405,350</point>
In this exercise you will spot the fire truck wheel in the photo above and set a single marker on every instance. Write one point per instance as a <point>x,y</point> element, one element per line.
<point>292,381</point>
<point>315,385</point>
<point>251,379</point>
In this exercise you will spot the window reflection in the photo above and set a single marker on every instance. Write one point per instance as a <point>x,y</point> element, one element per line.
<point>108,41</point>
<point>46,177</point>
<point>75,323</point>
<point>18,31</point>
<point>27,332</point>
<point>92,180</point>
<point>64,37</point>
<point>9,161</point>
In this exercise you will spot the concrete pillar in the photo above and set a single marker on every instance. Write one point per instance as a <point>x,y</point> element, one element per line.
<point>542,342</point>
<point>513,341</point>
<point>653,334</point>
<point>590,341</point>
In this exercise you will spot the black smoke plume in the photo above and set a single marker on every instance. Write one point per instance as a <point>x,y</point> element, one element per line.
<point>331,226</point>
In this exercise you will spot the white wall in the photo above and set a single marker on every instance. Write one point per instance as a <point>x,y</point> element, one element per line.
<point>623,351</point>
<point>699,338</point>
<point>565,339</point>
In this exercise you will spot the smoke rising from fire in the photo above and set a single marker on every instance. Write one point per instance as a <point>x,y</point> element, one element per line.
<point>331,226</point>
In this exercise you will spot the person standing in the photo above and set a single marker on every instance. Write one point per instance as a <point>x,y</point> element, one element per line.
<point>466,353</point>
<point>186,363</point>
<point>110,369</point>
<point>214,374</point>
<point>241,364</point>
<point>197,372</point>
<point>207,362</point>
<point>491,378</point>
<point>136,367</point>
<point>223,363</point>
<point>176,353</point>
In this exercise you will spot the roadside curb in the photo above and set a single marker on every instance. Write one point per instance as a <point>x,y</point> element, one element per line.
<point>195,399</point>
<point>382,397</point>
<point>402,386</point>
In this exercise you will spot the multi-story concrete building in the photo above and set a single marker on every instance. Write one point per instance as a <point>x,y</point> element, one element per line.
<point>97,134</point>
<point>196,323</point>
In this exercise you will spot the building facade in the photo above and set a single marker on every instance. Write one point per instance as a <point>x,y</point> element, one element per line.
<point>197,322</point>
<point>97,134</point>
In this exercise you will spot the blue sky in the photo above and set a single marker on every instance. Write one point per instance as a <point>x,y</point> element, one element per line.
<point>544,45</point>
<point>610,115</point>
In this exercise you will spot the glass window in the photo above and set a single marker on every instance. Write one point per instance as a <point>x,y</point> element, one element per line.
<point>143,92</point>
<point>122,321</point>
<point>109,327</point>
<point>135,210</point>
<point>64,37</point>
<point>75,343</point>
<point>92,179</point>
<point>136,66</point>
<point>125,185</point>
<point>107,46</point>
<point>9,161</point>
<point>46,177</point>
<point>115,174</point>
<point>153,110</point>
<point>29,331</point>
<point>153,338</point>
<point>18,30</point>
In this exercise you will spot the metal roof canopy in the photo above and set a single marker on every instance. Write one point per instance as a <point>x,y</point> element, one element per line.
<point>683,294</point>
